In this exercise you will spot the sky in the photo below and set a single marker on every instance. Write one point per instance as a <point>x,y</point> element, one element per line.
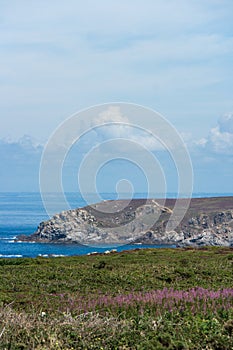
<point>175,57</point>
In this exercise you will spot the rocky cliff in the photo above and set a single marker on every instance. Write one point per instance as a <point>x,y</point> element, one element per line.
<point>208,221</point>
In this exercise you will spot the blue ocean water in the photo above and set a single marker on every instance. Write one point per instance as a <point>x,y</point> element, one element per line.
<point>21,213</point>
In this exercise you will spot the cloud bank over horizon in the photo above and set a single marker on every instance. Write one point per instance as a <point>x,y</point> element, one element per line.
<point>219,140</point>
<point>211,157</point>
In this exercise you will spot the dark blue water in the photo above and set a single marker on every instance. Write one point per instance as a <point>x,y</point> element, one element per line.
<point>21,213</point>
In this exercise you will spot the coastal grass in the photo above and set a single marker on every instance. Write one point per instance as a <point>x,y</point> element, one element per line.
<point>141,299</point>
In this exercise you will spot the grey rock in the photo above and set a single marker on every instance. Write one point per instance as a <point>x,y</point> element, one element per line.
<point>208,221</point>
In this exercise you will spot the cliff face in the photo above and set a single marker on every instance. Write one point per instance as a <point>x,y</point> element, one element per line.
<point>215,229</point>
<point>208,221</point>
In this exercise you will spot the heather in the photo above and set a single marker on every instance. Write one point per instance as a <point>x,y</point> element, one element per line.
<point>143,299</point>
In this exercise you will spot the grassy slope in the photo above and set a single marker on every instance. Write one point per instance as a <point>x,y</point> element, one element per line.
<point>27,279</point>
<point>32,286</point>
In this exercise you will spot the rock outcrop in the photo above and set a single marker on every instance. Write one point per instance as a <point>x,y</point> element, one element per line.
<point>208,221</point>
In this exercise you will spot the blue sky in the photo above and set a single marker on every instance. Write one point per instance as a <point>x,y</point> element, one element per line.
<point>175,57</point>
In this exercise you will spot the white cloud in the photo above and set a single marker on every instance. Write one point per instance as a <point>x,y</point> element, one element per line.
<point>24,143</point>
<point>112,114</point>
<point>122,128</point>
<point>226,123</point>
<point>220,138</point>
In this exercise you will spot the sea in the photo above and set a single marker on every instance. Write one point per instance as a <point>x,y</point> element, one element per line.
<point>21,213</point>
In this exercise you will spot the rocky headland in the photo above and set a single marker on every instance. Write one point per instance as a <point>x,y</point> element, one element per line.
<point>208,221</point>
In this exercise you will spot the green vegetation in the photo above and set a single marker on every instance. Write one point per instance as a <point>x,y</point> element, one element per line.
<point>142,299</point>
